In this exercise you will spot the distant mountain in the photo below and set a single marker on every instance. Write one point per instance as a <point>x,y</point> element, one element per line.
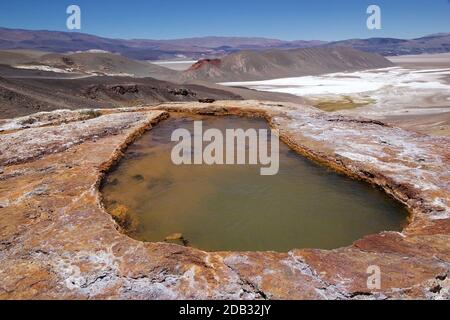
<point>140,49</point>
<point>205,47</point>
<point>100,63</point>
<point>436,43</point>
<point>271,64</point>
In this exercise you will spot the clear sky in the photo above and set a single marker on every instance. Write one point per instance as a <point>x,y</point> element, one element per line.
<point>282,19</point>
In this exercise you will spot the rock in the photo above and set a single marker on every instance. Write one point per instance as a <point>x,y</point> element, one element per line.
<point>138,177</point>
<point>74,250</point>
<point>68,61</point>
<point>95,91</point>
<point>174,237</point>
<point>119,210</point>
<point>134,155</point>
<point>177,238</point>
<point>206,100</point>
<point>124,218</point>
<point>113,182</point>
<point>205,62</point>
<point>159,184</point>
<point>123,89</point>
<point>182,92</point>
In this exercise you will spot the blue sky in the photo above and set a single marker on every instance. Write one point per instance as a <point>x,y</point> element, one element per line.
<point>283,19</point>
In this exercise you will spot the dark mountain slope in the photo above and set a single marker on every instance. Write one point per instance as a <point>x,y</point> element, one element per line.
<point>87,62</point>
<point>20,97</point>
<point>437,43</point>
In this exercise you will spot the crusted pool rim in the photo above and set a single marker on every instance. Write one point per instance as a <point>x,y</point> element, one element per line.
<point>57,241</point>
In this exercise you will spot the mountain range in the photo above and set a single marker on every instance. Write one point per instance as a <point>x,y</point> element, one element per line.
<point>239,66</point>
<point>206,47</point>
<point>140,49</point>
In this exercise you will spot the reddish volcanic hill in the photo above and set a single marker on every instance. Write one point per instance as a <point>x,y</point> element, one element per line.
<point>204,63</point>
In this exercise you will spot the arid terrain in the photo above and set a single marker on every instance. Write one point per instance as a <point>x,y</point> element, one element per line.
<point>24,96</point>
<point>423,61</point>
<point>58,242</point>
<point>66,119</point>
<point>434,123</point>
<point>415,94</point>
<point>250,65</point>
<point>33,81</point>
<point>206,47</point>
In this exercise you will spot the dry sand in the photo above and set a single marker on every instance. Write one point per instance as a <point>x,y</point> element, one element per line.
<point>441,60</point>
<point>174,65</point>
<point>435,124</point>
<point>414,95</point>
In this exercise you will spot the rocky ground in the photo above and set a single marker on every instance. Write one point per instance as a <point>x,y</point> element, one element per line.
<point>58,242</point>
<point>27,95</point>
<point>414,95</point>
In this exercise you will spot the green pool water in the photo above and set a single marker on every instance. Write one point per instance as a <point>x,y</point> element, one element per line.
<point>233,207</point>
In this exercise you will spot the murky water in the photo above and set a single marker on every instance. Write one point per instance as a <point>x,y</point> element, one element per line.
<point>227,207</point>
